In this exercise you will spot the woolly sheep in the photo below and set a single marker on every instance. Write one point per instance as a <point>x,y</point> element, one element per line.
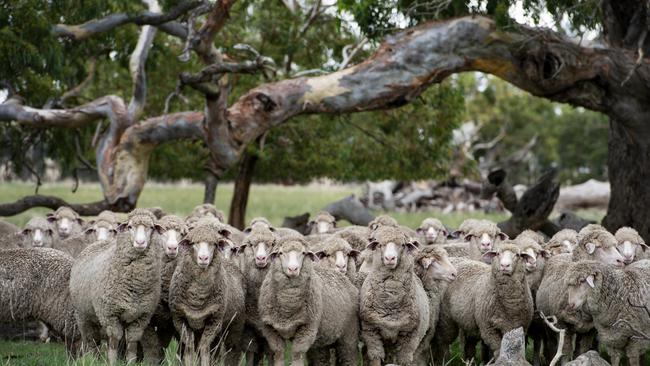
<point>66,221</point>
<point>207,210</point>
<point>594,243</point>
<point>432,231</point>
<point>115,285</point>
<point>394,307</point>
<point>37,233</point>
<point>618,301</point>
<point>479,238</point>
<point>313,306</point>
<point>533,235</point>
<point>562,242</point>
<point>26,294</point>
<point>337,254</point>
<point>102,228</point>
<point>630,244</point>
<point>7,228</point>
<point>206,295</point>
<point>322,223</point>
<point>487,301</point>
<point>435,271</point>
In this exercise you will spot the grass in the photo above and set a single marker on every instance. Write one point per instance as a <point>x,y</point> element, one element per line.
<point>272,201</point>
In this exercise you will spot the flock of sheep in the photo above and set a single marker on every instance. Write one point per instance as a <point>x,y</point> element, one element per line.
<point>386,293</point>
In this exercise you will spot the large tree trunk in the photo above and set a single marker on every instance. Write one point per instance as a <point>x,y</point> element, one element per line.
<point>237,216</point>
<point>210,192</point>
<point>629,175</point>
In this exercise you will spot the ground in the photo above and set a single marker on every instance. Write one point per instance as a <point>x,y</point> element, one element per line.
<point>272,201</point>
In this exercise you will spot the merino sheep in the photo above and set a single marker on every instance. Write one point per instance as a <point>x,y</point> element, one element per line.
<point>115,285</point>
<point>313,306</point>
<point>7,229</point>
<point>67,222</point>
<point>479,238</point>
<point>487,301</point>
<point>618,301</point>
<point>26,294</point>
<point>533,235</point>
<point>564,241</point>
<point>435,271</point>
<point>207,210</point>
<point>337,254</point>
<point>322,223</point>
<point>630,244</point>
<point>206,295</point>
<point>432,231</point>
<point>394,307</point>
<point>36,233</point>
<point>594,243</point>
<point>102,228</point>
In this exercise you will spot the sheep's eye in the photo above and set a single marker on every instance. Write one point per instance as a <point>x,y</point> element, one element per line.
<point>49,232</point>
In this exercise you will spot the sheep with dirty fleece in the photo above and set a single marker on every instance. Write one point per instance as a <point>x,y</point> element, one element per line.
<point>631,245</point>
<point>434,269</point>
<point>206,296</point>
<point>479,238</point>
<point>115,285</point>
<point>42,294</point>
<point>618,301</point>
<point>594,243</point>
<point>102,228</point>
<point>394,308</point>
<point>487,301</point>
<point>37,233</point>
<point>67,222</point>
<point>432,231</point>
<point>314,307</point>
<point>564,241</point>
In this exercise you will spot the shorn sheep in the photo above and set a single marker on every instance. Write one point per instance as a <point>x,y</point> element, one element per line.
<point>432,231</point>
<point>487,301</point>
<point>312,306</point>
<point>618,300</point>
<point>115,285</point>
<point>29,294</point>
<point>206,296</point>
<point>394,308</point>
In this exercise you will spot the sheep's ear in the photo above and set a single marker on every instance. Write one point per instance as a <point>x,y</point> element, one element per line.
<point>590,248</point>
<point>25,232</point>
<point>419,231</point>
<point>272,229</point>
<point>184,243</point>
<point>273,255</point>
<point>590,281</point>
<point>354,254</point>
<point>222,245</point>
<point>321,254</point>
<point>311,255</point>
<point>544,254</point>
<point>444,233</point>
<point>527,257</point>
<point>412,245</point>
<point>80,221</point>
<point>225,233</point>
<point>374,226</point>
<point>235,251</point>
<point>159,229</point>
<point>503,236</point>
<point>92,222</point>
<point>122,227</point>
<point>311,224</point>
<point>372,244</point>
<point>50,218</point>
<point>49,232</point>
<point>644,246</point>
<point>248,230</point>
<point>489,256</point>
<point>468,237</point>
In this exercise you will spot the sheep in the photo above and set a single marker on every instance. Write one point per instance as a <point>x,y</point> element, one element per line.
<point>207,209</point>
<point>618,301</point>
<point>26,294</point>
<point>533,235</point>
<point>479,238</point>
<point>382,220</point>
<point>235,239</point>
<point>487,301</point>
<point>432,231</point>
<point>102,228</point>
<point>630,244</point>
<point>594,243</point>
<point>435,271</point>
<point>337,254</point>
<point>394,308</point>
<point>115,285</point>
<point>564,241</point>
<point>322,223</point>
<point>67,222</point>
<point>282,232</point>
<point>254,259</point>
<point>464,228</point>
<point>36,233</point>
<point>206,295</point>
<point>313,306</point>
<point>7,228</point>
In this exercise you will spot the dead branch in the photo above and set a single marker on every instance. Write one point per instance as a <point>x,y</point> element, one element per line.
<point>202,41</point>
<point>551,322</point>
<point>347,57</point>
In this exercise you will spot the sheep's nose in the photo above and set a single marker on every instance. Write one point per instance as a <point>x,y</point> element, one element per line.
<point>293,269</point>
<point>389,258</point>
<point>172,247</point>
<point>204,258</point>
<point>453,275</point>
<point>506,267</point>
<point>620,263</point>
<point>260,257</point>
<point>571,306</point>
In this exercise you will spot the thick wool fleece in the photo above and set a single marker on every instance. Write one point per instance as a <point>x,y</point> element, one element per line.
<point>72,216</point>
<point>208,302</point>
<point>533,235</point>
<point>334,244</point>
<point>629,234</point>
<point>436,225</point>
<point>115,287</point>
<point>562,242</point>
<point>208,209</point>
<point>394,308</point>
<point>37,222</point>
<point>618,304</point>
<point>34,286</point>
<point>315,310</point>
<point>485,302</point>
<point>73,245</point>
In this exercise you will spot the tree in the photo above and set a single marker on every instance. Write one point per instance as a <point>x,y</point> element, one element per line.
<point>610,78</point>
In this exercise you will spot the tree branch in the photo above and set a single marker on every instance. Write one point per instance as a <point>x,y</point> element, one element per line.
<point>25,203</point>
<point>137,65</point>
<point>112,21</point>
<point>202,42</point>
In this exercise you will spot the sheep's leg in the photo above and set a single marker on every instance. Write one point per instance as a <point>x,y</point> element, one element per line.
<point>304,338</point>
<point>406,347</point>
<point>133,335</point>
<point>298,358</point>
<point>114,332</point>
<point>209,334</point>
<point>492,338</point>
<point>276,343</point>
<point>347,346</point>
<point>615,356</point>
<point>374,346</point>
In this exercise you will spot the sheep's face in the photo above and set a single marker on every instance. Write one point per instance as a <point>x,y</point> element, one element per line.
<point>37,237</point>
<point>102,230</point>
<point>291,259</point>
<point>261,251</point>
<point>171,239</point>
<point>432,234</point>
<point>531,260</point>
<point>391,251</point>
<point>140,233</point>
<point>65,225</point>
<point>337,260</point>
<point>579,289</point>
<point>484,240</point>
<point>321,226</point>
<point>439,268</point>
<point>505,260</point>
<point>203,253</point>
<point>629,246</point>
<point>565,246</point>
<point>607,255</point>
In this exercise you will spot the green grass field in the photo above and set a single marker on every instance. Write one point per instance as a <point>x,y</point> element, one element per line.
<point>272,201</point>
